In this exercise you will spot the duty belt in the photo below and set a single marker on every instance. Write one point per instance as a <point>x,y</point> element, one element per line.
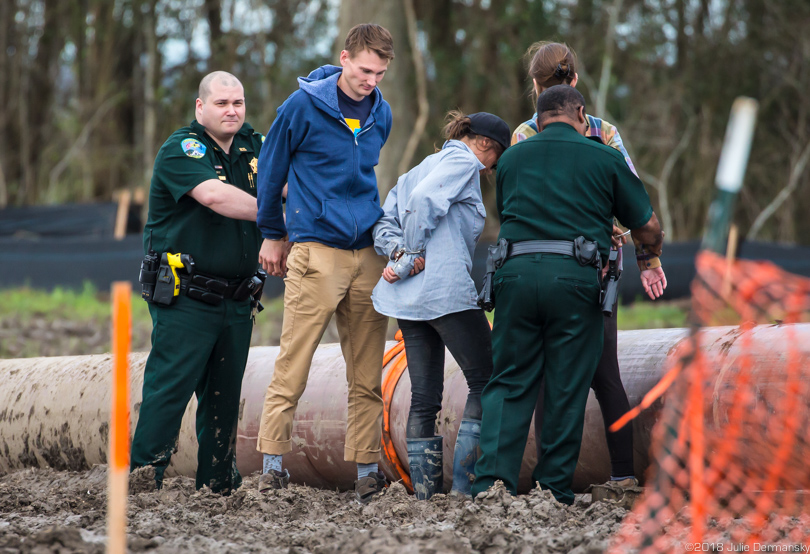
<point>565,247</point>
<point>585,252</point>
<point>209,288</point>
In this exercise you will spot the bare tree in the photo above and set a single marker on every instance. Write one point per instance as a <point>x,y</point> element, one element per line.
<point>607,57</point>
<point>797,174</point>
<point>5,30</point>
<point>149,89</point>
<point>398,85</point>
<point>421,91</point>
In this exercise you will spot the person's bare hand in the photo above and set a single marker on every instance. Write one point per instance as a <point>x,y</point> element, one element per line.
<point>418,265</point>
<point>618,238</point>
<point>273,257</point>
<point>654,282</point>
<point>389,275</point>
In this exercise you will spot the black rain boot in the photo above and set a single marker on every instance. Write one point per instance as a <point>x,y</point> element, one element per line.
<point>465,455</point>
<point>425,463</point>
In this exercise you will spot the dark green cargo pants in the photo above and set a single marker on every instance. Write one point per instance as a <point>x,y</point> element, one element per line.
<point>196,349</point>
<point>547,321</point>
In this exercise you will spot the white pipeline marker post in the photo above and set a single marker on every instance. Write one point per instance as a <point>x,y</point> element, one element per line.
<point>737,145</point>
<point>118,458</point>
<point>730,172</point>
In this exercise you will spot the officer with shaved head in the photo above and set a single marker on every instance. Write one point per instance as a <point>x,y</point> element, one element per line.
<point>202,207</point>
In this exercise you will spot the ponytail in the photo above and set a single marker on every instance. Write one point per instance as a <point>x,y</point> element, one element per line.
<point>551,63</point>
<point>457,127</point>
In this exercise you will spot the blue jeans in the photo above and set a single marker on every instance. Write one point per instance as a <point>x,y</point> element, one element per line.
<point>468,337</point>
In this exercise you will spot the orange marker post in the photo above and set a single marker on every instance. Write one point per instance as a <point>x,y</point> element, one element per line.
<point>118,458</point>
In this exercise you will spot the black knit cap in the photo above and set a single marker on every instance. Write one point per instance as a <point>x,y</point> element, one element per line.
<point>490,126</point>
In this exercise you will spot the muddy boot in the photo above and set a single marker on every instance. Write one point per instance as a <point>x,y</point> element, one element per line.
<point>274,480</point>
<point>624,492</point>
<point>465,455</point>
<point>425,463</point>
<point>369,486</point>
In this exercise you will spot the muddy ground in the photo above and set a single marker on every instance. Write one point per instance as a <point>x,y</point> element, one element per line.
<point>46,511</point>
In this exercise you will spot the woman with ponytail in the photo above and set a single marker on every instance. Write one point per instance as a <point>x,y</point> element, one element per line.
<point>432,221</point>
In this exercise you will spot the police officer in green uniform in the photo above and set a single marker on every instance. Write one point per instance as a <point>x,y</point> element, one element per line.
<point>552,189</point>
<point>202,203</point>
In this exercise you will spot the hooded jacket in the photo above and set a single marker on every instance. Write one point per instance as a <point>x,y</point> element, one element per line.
<point>332,196</point>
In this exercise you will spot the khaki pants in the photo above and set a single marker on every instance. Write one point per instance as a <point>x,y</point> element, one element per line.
<point>322,281</point>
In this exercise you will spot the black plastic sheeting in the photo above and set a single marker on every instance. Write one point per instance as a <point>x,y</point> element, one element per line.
<point>68,220</point>
<point>69,262</point>
<point>679,265</point>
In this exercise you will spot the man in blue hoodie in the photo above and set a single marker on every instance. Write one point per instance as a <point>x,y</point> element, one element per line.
<point>324,143</point>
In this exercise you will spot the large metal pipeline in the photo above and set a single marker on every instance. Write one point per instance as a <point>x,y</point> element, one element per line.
<point>54,412</point>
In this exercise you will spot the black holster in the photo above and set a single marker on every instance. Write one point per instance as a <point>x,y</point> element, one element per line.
<point>258,289</point>
<point>495,257</point>
<point>148,275</point>
<point>213,290</point>
<point>610,284</point>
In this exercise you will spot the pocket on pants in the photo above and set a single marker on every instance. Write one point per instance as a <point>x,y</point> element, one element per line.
<point>585,290</point>
<point>298,261</point>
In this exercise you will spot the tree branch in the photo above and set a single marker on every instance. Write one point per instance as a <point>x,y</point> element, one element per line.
<point>793,182</point>
<point>607,58</point>
<point>666,172</point>
<point>80,142</point>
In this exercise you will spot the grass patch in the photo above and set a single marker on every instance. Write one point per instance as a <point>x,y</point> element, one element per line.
<point>65,322</point>
<point>653,315</point>
<point>84,305</point>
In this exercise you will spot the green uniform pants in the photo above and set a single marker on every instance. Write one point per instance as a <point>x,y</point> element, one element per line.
<point>196,349</point>
<point>547,322</point>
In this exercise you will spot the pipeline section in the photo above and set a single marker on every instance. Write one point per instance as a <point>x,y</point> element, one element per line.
<point>54,412</point>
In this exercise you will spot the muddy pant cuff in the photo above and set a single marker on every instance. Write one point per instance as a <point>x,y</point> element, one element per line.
<point>361,456</point>
<point>268,446</point>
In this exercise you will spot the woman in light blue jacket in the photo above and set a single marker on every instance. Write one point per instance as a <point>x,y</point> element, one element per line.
<point>433,219</point>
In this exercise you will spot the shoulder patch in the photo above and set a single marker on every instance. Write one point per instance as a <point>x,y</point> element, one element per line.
<point>193,148</point>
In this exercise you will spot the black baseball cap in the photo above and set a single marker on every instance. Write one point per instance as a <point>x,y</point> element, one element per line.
<point>490,126</point>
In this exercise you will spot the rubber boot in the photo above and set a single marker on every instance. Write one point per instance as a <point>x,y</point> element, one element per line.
<point>425,463</point>
<point>465,455</point>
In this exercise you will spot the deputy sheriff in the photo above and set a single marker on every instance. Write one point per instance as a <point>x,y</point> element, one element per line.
<point>557,193</point>
<point>202,207</point>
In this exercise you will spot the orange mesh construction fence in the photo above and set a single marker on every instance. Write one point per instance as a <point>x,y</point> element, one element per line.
<point>730,467</point>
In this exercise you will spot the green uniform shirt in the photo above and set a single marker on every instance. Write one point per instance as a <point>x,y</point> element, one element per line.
<point>558,185</point>
<point>219,245</point>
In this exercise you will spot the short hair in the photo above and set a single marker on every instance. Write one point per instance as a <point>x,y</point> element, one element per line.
<point>222,76</point>
<point>370,36</point>
<point>559,100</point>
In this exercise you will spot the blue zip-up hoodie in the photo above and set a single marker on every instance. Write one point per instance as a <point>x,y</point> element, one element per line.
<point>332,196</point>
